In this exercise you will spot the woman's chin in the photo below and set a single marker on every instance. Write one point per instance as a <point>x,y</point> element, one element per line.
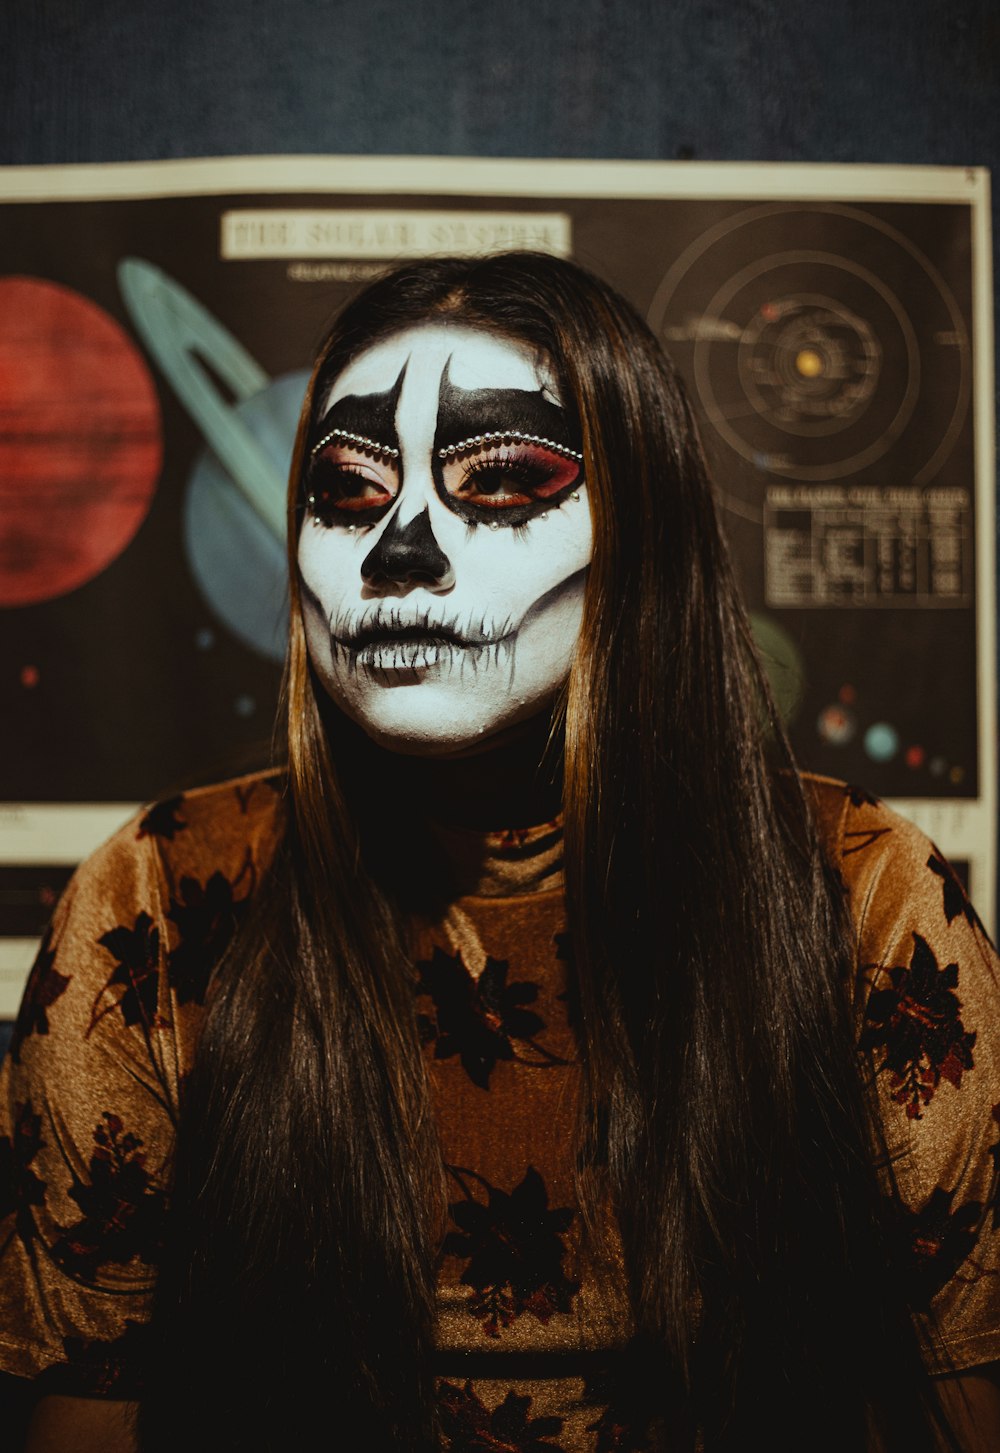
<point>436,735</point>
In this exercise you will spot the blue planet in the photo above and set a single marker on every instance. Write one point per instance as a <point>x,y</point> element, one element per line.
<point>881,741</point>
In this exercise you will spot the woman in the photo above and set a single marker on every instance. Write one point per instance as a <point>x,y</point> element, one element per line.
<point>466,1158</point>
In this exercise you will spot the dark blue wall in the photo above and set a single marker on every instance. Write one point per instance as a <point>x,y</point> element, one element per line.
<point>783,80</point>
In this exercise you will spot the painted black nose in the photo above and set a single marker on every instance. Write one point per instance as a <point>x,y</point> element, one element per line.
<point>407,554</point>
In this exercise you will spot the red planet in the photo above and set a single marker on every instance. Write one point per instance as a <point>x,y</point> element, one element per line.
<point>81,440</point>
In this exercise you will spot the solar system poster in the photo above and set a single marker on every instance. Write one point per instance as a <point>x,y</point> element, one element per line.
<point>156,326</point>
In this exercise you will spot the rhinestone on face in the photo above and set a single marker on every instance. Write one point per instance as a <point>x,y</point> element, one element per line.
<point>505,436</point>
<point>362,441</point>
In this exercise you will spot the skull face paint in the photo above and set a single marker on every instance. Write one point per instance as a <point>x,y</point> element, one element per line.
<point>446,539</point>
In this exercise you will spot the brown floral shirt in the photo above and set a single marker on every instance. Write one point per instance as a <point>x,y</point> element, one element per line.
<point>110,1021</point>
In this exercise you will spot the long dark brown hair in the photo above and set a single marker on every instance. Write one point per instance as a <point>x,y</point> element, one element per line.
<point>724,1111</point>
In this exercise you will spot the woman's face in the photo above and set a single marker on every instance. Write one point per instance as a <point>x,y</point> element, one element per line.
<point>442,571</point>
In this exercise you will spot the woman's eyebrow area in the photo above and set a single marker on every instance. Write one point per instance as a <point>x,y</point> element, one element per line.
<point>367,416</point>
<point>464,413</point>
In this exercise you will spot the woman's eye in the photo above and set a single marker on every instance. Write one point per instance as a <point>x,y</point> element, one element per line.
<point>343,483</point>
<point>503,478</point>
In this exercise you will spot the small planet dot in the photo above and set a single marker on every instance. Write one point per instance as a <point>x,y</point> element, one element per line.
<point>836,725</point>
<point>937,766</point>
<point>957,774</point>
<point>809,363</point>
<point>204,639</point>
<point>244,706</point>
<point>847,694</point>
<point>914,757</point>
<point>881,742</point>
<point>30,676</point>
<point>769,311</point>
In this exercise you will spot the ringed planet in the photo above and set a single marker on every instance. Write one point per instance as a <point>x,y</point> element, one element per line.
<point>234,514</point>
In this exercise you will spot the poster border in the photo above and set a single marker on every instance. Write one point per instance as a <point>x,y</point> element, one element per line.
<point>513,176</point>
<point>34,833</point>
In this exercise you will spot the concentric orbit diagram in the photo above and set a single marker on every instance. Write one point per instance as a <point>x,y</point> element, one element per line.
<point>831,359</point>
<point>809,363</point>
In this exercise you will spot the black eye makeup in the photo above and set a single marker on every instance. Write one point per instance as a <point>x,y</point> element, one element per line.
<point>524,464</point>
<point>353,470</point>
<point>351,483</point>
<point>506,479</point>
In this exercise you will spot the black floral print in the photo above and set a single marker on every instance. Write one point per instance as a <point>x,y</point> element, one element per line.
<point>44,987</point>
<point>916,1023</point>
<point>615,1433</point>
<point>479,1019</point>
<point>246,793</point>
<point>571,994</point>
<point>865,837</point>
<point>163,819</point>
<point>137,951</point>
<point>624,1397</point>
<point>206,918</point>
<point>122,1206</point>
<point>100,1369</point>
<point>469,1427</point>
<point>994,1201</point>
<point>515,1250</point>
<point>21,1190</point>
<point>955,902</point>
<point>932,1243</point>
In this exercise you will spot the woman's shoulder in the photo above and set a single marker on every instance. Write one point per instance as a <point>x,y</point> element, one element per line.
<point>893,873</point>
<point>227,827</point>
<point>927,1001</point>
<point>870,844</point>
<point>147,915</point>
<point>90,1088</point>
<point>202,821</point>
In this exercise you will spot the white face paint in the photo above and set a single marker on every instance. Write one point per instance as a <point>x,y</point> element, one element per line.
<point>442,596</point>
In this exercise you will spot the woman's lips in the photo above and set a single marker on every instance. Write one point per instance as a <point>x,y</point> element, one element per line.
<point>404,650</point>
<point>397,647</point>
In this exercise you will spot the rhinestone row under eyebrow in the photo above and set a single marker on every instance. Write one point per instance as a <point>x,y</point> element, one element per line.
<point>507,436</point>
<point>362,441</point>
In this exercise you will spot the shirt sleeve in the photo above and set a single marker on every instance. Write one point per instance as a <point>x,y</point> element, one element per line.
<point>87,1112</point>
<point>929,1017</point>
